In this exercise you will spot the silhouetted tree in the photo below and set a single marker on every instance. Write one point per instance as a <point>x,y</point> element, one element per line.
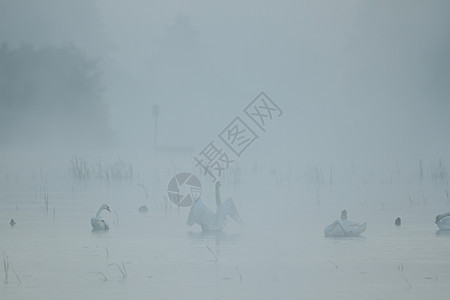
<point>50,94</point>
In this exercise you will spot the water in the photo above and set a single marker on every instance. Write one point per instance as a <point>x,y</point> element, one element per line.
<point>280,253</point>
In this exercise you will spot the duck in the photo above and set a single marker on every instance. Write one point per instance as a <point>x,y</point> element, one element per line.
<point>442,221</point>
<point>344,227</point>
<point>143,209</point>
<point>98,223</point>
<point>208,220</point>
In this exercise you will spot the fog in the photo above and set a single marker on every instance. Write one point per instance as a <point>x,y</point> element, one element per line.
<point>106,101</point>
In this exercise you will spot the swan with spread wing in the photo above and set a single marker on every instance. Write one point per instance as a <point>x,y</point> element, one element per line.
<point>443,221</point>
<point>344,227</point>
<point>210,221</point>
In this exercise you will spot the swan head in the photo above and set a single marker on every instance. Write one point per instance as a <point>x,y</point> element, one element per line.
<point>439,217</point>
<point>105,206</point>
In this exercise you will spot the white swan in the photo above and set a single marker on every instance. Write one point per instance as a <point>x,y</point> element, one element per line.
<point>98,223</point>
<point>343,227</point>
<point>443,222</point>
<point>209,221</point>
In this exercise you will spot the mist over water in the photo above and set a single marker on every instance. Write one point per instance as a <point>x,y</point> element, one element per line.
<point>104,102</point>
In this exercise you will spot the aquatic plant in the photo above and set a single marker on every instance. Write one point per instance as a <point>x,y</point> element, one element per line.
<point>122,269</point>
<point>213,253</point>
<point>6,267</point>
<point>45,195</point>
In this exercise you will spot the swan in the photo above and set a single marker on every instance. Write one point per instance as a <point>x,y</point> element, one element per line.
<point>210,221</point>
<point>343,227</point>
<point>98,223</point>
<point>442,221</point>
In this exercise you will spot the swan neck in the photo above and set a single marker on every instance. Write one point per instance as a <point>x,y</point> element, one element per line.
<point>440,217</point>
<point>99,211</point>
<point>218,201</point>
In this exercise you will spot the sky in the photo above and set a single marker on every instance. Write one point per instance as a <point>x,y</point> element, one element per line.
<point>358,81</point>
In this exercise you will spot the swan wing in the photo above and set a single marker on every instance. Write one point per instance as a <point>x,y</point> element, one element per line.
<point>345,228</point>
<point>228,208</point>
<point>200,214</point>
<point>99,224</point>
<point>443,223</point>
<point>336,228</point>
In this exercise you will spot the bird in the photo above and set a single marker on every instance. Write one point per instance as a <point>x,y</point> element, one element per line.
<point>12,222</point>
<point>143,209</point>
<point>398,221</point>
<point>209,221</point>
<point>343,227</point>
<point>98,223</point>
<point>442,221</point>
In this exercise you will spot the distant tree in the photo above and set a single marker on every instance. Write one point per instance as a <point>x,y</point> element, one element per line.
<point>50,94</point>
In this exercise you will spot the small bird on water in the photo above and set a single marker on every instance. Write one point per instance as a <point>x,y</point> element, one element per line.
<point>12,222</point>
<point>398,221</point>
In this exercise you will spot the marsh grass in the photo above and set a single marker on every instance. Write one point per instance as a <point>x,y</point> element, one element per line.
<point>45,195</point>
<point>335,265</point>
<point>213,253</point>
<point>117,217</point>
<point>81,169</point>
<point>122,269</point>
<point>6,268</point>
<point>439,171</point>
<point>146,191</point>
<point>409,284</point>
<point>101,273</point>
<point>240,274</point>
<point>17,276</point>
<point>446,194</point>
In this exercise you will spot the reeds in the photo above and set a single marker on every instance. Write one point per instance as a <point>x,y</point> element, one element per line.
<point>122,269</point>
<point>213,253</point>
<point>45,195</point>
<point>101,273</point>
<point>446,194</point>
<point>6,267</point>
<point>117,217</point>
<point>80,169</point>
<point>439,171</point>
<point>240,274</point>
